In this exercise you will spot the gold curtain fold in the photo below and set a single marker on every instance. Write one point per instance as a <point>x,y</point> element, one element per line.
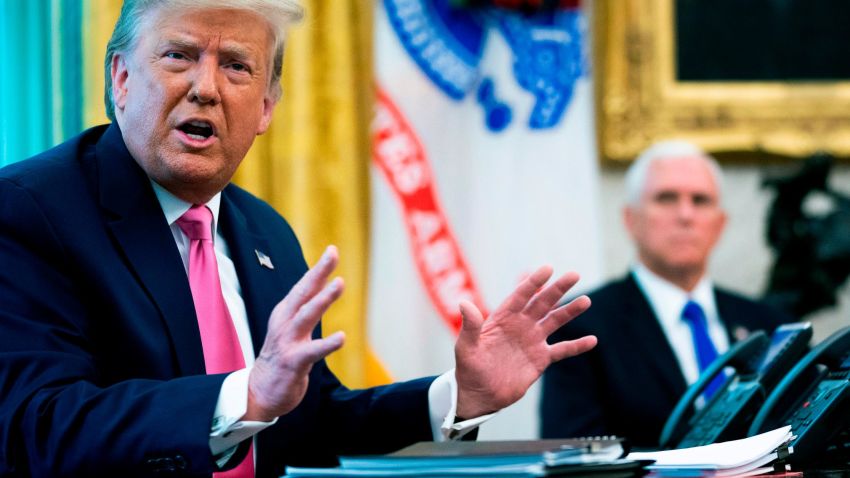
<point>312,165</point>
<point>99,17</point>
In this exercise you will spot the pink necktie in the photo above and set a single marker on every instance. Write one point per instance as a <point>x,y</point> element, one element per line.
<point>222,352</point>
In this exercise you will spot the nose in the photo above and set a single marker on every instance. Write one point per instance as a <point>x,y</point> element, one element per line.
<point>204,87</point>
<point>686,209</point>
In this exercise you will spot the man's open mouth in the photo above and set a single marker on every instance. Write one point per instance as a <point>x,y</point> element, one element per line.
<point>197,130</point>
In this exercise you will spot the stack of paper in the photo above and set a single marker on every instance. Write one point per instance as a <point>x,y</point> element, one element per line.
<point>501,471</point>
<point>746,457</point>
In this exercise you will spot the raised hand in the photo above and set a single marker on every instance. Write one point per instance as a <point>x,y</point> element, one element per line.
<point>278,380</point>
<point>499,358</point>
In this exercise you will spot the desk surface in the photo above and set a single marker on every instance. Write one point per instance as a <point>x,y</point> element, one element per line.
<point>834,473</point>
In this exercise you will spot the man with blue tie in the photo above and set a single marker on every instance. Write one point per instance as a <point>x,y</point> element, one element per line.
<point>664,322</point>
<point>156,320</point>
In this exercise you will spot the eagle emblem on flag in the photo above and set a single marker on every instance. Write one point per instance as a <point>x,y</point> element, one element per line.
<point>447,43</point>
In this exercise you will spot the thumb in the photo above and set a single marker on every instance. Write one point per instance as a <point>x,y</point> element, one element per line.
<point>471,316</point>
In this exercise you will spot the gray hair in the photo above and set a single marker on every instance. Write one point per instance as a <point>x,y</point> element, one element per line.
<point>636,175</point>
<point>279,14</point>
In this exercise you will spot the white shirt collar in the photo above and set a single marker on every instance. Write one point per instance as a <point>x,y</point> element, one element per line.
<point>173,207</point>
<point>668,300</point>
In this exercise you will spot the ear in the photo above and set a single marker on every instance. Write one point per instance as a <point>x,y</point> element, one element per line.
<point>119,80</point>
<point>723,220</point>
<point>629,220</point>
<point>268,109</point>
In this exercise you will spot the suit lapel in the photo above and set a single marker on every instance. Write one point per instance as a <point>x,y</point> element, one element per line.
<point>142,234</point>
<point>738,325</point>
<point>640,321</point>
<point>261,286</point>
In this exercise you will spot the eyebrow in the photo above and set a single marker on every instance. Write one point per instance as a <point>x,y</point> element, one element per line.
<point>696,196</point>
<point>180,43</point>
<point>234,51</point>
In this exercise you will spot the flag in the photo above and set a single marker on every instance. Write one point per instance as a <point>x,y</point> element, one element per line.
<point>484,168</point>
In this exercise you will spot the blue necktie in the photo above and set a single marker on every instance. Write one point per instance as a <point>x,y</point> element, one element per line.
<point>704,347</point>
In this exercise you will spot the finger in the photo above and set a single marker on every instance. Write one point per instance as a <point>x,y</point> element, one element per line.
<point>315,350</point>
<point>472,318</point>
<point>543,301</point>
<point>311,283</point>
<point>525,290</point>
<point>571,348</point>
<point>309,315</point>
<point>560,316</point>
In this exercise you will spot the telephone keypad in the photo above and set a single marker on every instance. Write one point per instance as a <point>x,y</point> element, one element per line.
<point>817,402</point>
<point>713,421</point>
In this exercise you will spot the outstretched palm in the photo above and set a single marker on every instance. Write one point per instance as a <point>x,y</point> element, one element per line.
<point>499,358</point>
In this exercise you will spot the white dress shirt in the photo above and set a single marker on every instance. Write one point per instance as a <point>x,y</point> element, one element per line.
<point>227,430</point>
<point>667,301</point>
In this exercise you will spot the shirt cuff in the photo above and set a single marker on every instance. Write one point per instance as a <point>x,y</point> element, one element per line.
<point>227,429</point>
<point>442,405</point>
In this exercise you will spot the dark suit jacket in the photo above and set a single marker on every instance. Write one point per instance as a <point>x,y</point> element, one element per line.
<point>101,366</point>
<point>628,384</point>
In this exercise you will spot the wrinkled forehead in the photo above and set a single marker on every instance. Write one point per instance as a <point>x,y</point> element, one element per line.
<point>203,23</point>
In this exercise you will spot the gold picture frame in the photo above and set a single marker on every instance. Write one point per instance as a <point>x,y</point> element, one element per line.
<point>639,99</point>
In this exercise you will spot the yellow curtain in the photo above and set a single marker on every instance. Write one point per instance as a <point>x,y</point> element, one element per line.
<point>313,163</point>
<point>99,17</point>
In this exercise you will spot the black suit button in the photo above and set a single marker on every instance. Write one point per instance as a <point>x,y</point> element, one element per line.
<point>167,464</point>
<point>180,462</point>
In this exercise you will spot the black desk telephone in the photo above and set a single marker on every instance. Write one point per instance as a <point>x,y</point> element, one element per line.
<point>758,365</point>
<point>814,398</point>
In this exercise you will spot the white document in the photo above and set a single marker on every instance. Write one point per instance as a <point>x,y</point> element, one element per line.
<point>736,454</point>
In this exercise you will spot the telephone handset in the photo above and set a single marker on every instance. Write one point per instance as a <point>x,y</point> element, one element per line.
<point>758,364</point>
<point>814,398</point>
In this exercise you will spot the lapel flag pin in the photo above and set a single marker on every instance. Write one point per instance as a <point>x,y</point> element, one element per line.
<point>265,260</point>
<point>740,333</point>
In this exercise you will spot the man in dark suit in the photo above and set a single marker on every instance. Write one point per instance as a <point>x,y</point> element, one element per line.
<point>649,351</point>
<point>136,285</point>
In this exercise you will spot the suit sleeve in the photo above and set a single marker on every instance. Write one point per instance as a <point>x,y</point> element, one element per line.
<point>571,402</point>
<point>59,415</point>
<point>379,419</point>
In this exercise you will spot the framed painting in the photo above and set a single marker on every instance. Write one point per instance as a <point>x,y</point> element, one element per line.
<point>759,76</point>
